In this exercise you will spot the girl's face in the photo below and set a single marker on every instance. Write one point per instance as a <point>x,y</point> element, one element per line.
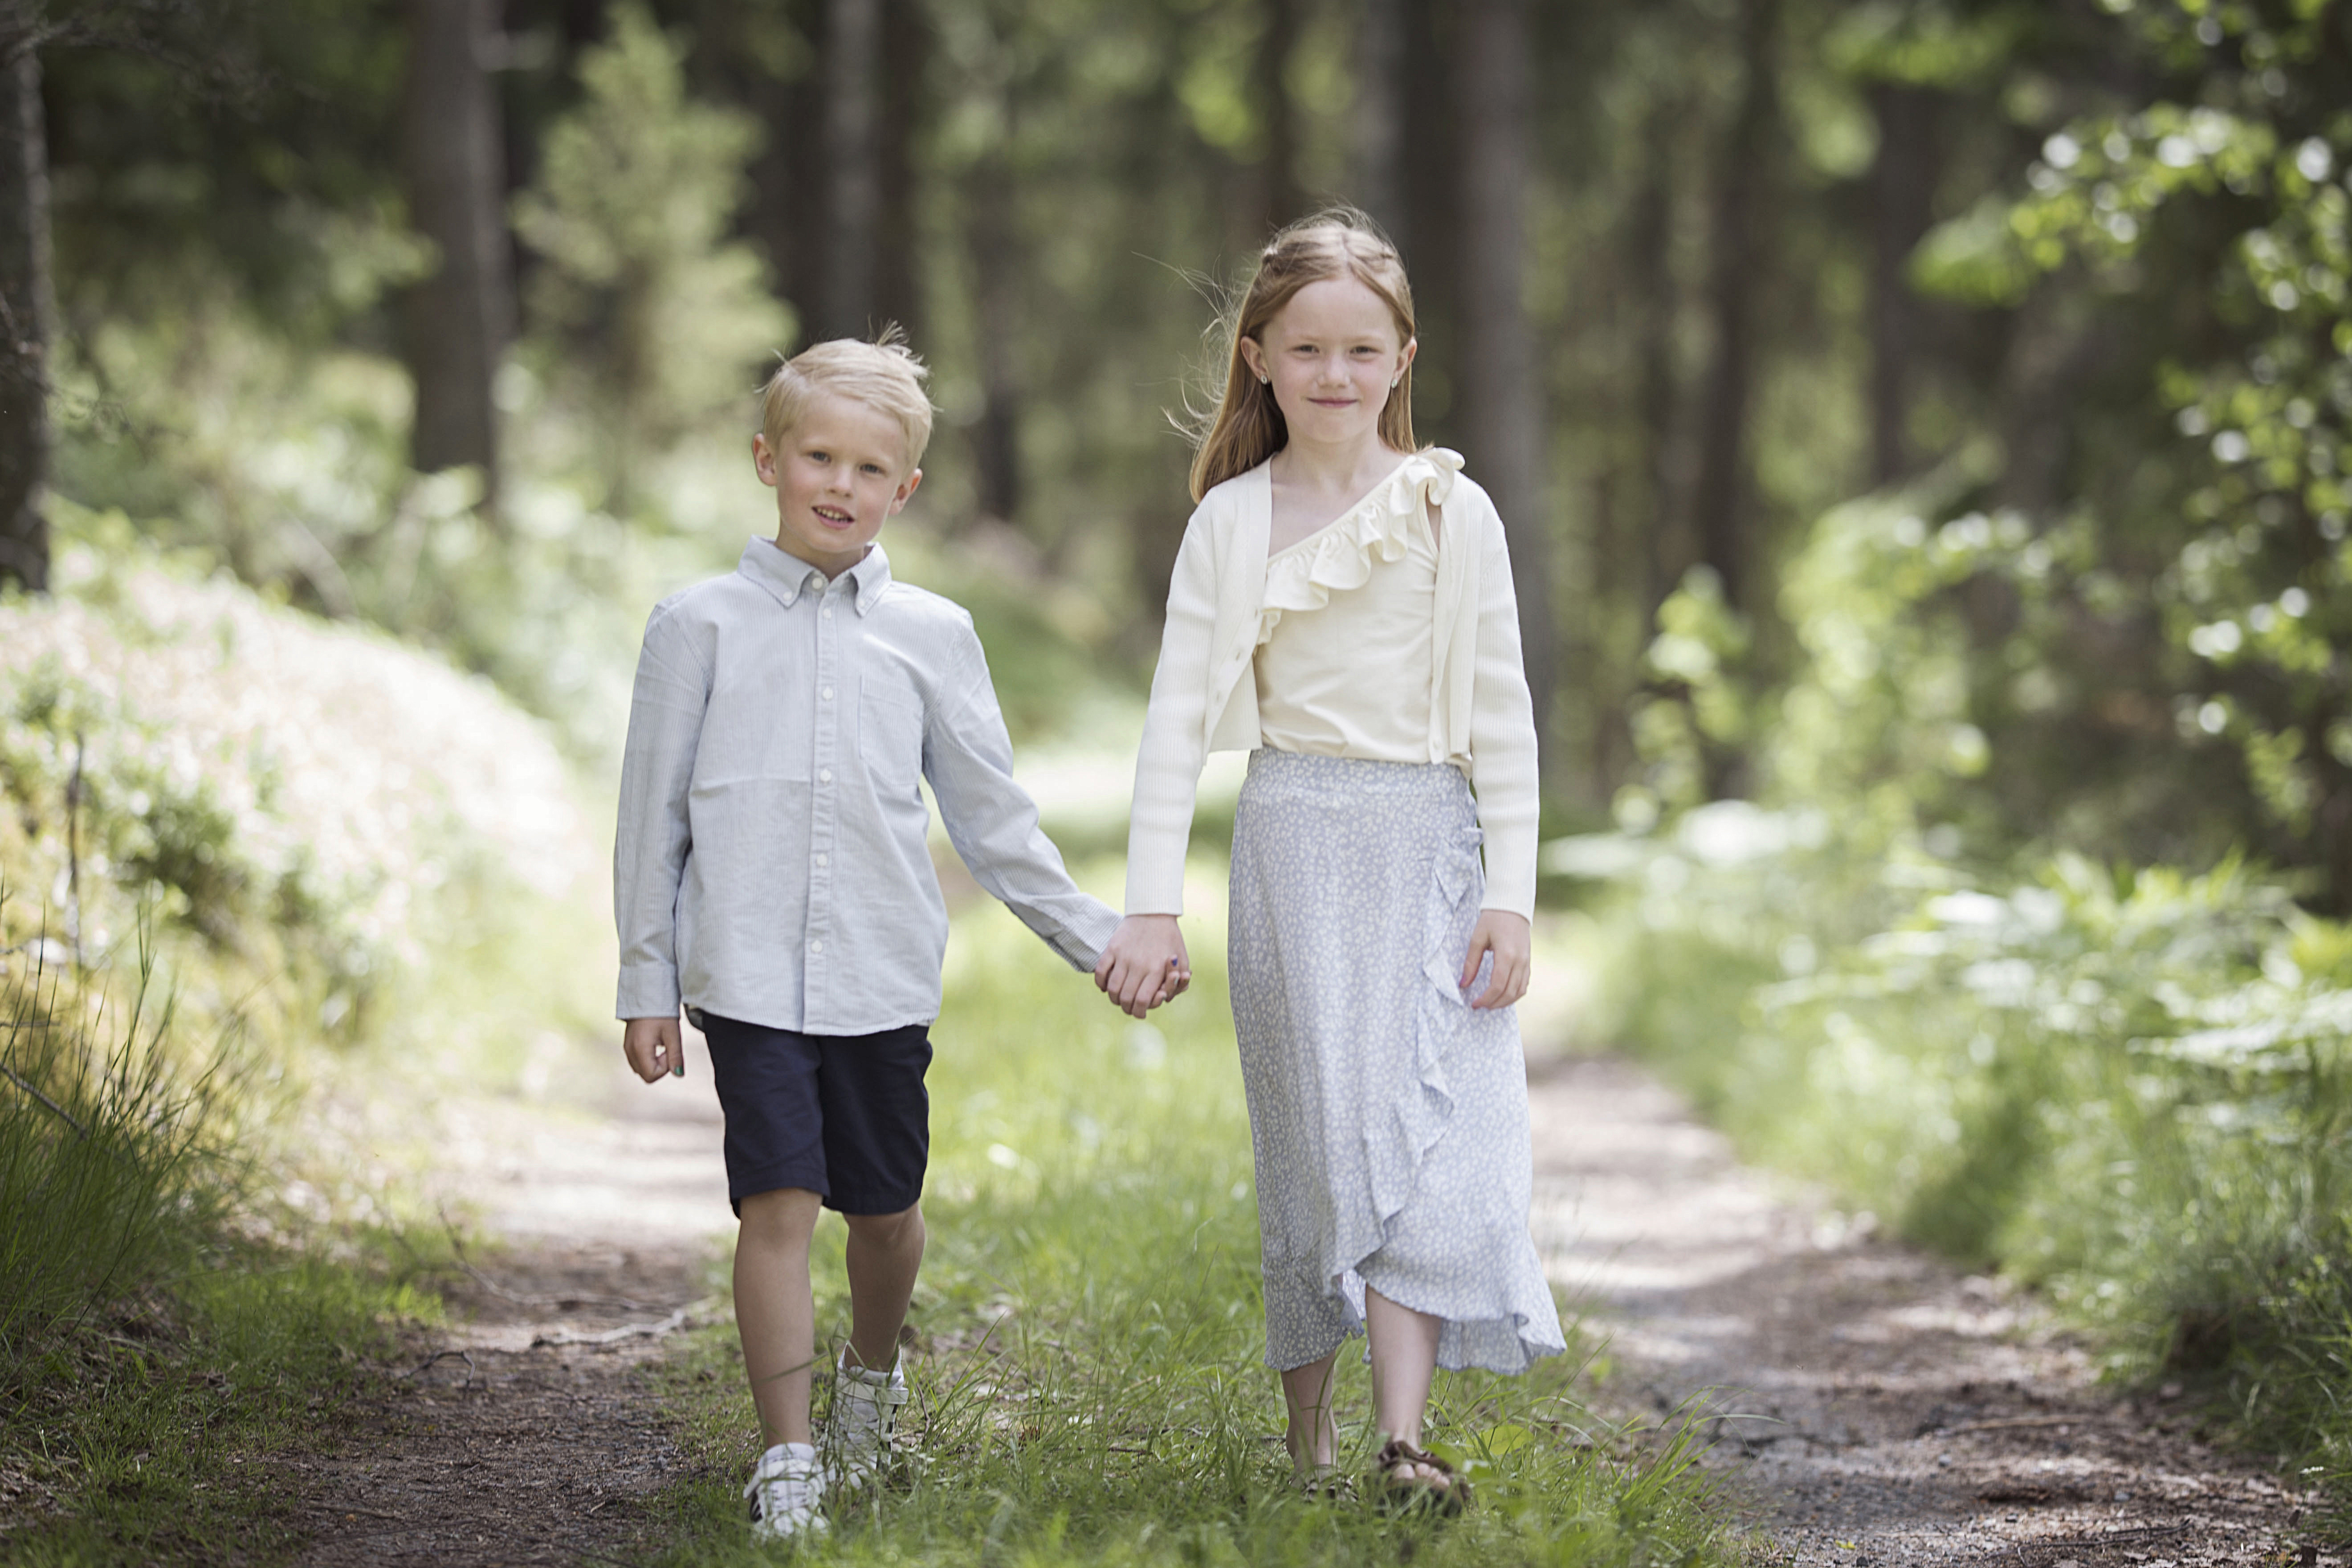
<point>1332,356</point>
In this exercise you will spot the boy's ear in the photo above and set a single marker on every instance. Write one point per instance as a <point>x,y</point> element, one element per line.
<point>763,461</point>
<point>905,491</point>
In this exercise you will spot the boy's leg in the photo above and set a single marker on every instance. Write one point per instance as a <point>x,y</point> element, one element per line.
<point>884,1252</point>
<point>775,1311</point>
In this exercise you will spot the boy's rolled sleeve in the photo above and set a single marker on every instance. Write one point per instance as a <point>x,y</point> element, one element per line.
<point>992,822</point>
<point>653,837</point>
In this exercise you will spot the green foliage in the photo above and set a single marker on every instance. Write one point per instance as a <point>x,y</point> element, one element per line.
<point>2224,192</point>
<point>649,321</point>
<point>1087,1370</point>
<point>2128,1087</point>
<point>109,1172</point>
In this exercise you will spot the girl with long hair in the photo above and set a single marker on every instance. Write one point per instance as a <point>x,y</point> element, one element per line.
<point>1342,607</point>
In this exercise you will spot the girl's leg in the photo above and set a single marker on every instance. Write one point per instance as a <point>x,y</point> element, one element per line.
<point>1404,1360</point>
<point>774,1312</point>
<point>1313,1437</point>
<point>885,1250</point>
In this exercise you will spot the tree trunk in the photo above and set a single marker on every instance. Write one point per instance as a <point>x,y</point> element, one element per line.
<point>853,174</point>
<point>1377,131</point>
<point>458,320</point>
<point>906,49</point>
<point>1901,195</point>
<point>1501,396</point>
<point>1721,499</point>
<point>24,323</point>
<point>1429,233</point>
<point>1649,233</point>
<point>1280,199</point>
<point>993,233</point>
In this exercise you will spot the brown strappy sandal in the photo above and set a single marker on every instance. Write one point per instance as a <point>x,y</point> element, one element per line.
<point>1446,1496</point>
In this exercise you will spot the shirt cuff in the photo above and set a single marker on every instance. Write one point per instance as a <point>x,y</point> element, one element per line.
<point>1083,940</point>
<point>648,992</point>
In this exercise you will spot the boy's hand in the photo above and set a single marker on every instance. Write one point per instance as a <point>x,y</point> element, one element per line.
<point>1145,964</point>
<point>653,1048</point>
<point>1507,936</point>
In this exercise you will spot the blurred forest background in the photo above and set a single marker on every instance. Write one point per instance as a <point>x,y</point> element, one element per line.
<point>1920,426</point>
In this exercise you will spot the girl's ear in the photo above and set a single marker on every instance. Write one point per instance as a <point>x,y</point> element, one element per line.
<point>1404,359</point>
<point>1253,356</point>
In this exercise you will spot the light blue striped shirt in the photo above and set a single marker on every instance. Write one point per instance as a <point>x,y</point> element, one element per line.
<point>771,862</point>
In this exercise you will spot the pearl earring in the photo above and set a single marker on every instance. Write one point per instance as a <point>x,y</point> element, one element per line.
<point>1397,379</point>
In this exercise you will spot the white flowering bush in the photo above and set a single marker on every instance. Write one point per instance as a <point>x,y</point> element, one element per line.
<point>297,794</point>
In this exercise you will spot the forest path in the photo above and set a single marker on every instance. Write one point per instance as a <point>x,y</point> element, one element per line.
<point>1868,1405</point>
<point>524,1430</point>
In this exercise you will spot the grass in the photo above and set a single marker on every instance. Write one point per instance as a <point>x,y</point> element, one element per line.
<point>1087,1361</point>
<point>146,1354</point>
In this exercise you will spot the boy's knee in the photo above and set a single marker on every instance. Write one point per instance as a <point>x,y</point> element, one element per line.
<point>888,1230</point>
<point>783,1215</point>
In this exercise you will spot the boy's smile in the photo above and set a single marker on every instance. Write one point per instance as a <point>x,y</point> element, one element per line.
<point>840,473</point>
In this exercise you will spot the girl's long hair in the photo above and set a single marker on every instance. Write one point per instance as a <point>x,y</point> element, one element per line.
<point>1246,428</point>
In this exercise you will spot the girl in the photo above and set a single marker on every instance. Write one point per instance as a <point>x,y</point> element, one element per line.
<point>1341,606</point>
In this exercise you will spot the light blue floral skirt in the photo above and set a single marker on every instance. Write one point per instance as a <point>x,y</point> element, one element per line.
<point>1389,1119</point>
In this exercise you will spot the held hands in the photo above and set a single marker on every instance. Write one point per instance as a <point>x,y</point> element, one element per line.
<point>1145,964</point>
<point>1506,935</point>
<point>653,1048</point>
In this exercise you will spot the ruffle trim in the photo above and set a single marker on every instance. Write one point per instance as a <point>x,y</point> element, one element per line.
<point>1340,554</point>
<point>1525,1330</point>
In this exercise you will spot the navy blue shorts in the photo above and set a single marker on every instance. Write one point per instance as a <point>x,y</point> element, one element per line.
<point>842,1116</point>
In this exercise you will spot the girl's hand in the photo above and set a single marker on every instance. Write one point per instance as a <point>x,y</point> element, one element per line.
<point>1144,964</point>
<point>1507,936</point>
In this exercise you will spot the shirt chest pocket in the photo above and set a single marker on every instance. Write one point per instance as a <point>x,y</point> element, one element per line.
<point>890,737</point>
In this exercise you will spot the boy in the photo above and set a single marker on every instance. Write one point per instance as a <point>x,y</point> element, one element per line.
<point>770,875</point>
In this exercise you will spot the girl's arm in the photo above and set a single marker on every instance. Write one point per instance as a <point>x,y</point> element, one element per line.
<point>1146,960</point>
<point>1175,741</point>
<point>1502,772</point>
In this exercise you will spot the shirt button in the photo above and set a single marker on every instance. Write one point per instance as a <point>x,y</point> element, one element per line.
<point>828,612</point>
<point>824,775</point>
<point>820,860</point>
<point>817,947</point>
<point>828,694</point>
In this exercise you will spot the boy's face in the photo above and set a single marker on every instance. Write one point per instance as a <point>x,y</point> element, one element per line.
<point>837,473</point>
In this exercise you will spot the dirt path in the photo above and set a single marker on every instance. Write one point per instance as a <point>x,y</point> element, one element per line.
<point>524,1431</point>
<point>1873,1407</point>
<point>1869,1406</point>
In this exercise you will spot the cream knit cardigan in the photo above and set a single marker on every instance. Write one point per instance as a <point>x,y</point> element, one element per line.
<point>1203,699</point>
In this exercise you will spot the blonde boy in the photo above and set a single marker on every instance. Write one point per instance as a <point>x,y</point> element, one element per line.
<point>772,877</point>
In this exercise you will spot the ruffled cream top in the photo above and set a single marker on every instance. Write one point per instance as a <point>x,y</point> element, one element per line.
<point>1220,610</point>
<point>1346,633</point>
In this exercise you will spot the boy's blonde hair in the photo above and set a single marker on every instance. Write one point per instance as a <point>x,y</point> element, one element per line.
<point>884,375</point>
<point>1245,427</point>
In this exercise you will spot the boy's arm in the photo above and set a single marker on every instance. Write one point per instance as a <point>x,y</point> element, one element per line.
<point>992,823</point>
<point>649,849</point>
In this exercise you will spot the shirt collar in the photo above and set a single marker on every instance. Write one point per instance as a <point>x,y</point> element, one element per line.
<point>786,576</point>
